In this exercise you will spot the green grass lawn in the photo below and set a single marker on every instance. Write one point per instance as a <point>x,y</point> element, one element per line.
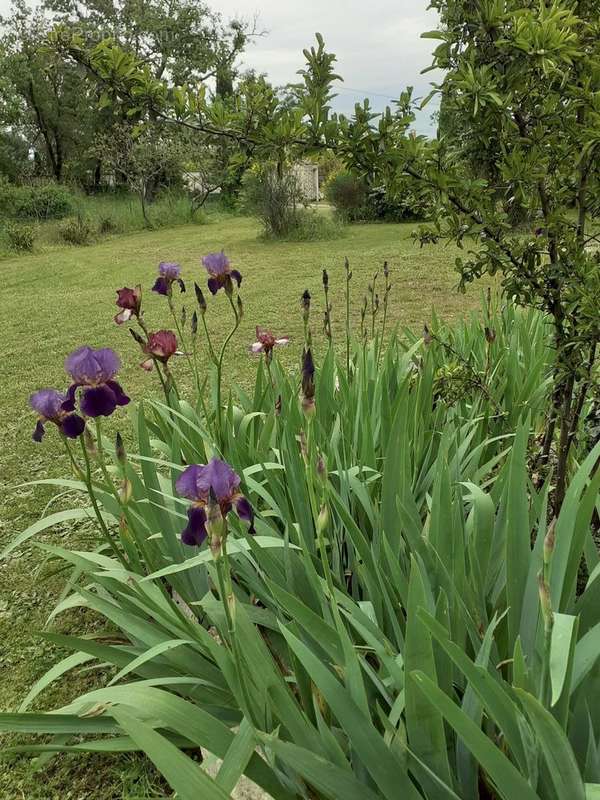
<point>56,301</point>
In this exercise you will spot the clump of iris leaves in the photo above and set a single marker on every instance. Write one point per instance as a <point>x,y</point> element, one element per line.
<point>404,619</point>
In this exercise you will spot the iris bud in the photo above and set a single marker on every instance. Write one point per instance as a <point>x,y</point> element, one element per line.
<point>549,542</point>
<point>120,450</point>
<point>125,491</point>
<point>201,300</point>
<point>323,520</point>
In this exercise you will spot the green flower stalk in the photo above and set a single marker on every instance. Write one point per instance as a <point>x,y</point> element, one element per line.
<point>327,313</point>
<point>305,305</point>
<point>120,450</point>
<point>546,609</point>
<point>374,302</point>
<point>348,279</point>
<point>386,297</point>
<point>308,384</point>
<point>363,318</point>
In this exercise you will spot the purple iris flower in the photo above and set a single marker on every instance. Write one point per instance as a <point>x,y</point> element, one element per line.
<point>220,273</point>
<point>49,405</point>
<point>196,482</point>
<point>168,273</point>
<point>94,370</point>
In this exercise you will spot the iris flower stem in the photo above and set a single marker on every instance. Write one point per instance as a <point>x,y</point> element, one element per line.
<point>311,486</point>
<point>548,616</point>
<point>191,362</point>
<point>76,468</point>
<point>227,598</point>
<point>201,399</point>
<point>103,527</point>
<point>170,382</point>
<point>545,678</point>
<point>327,321</point>
<point>101,460</point>
<point>348,279</point>
<point>223,591</point>
<point>162,380</point>
<point>268,361</point>
<point>384,322</point>
<point>373,308</point>
<point>211,349</point>
<point>311,454</point>
<point>144,327</point>
<point>320,531</point>
<point>220,369</point>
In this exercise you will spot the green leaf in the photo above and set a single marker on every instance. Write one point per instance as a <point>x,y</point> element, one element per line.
<point>424,724</point>
<point>564,635</point>
<point>501,708</point>
<point>587,653</point>
<point>149,655</point>
<point>518,549</point>
<point>188,720</point>
<point>385,770</point>
<point>234,546</point>
<point>185,776</point>
<point>47,522</point>
<point>558,754</point>
<point>53,674</point>
<point>237,757</point>
<point>572,528</point>
<point>329,778</point>
<point>508,780</point>
<point>55,724</point>
<point>473,708</point>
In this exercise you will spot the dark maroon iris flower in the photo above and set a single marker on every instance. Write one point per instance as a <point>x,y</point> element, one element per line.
<point>266,341</point>
<point>168,274</point>
<point>49,405</point>
<point>130,303</point>
<point>220,273</point>
<point>161,346</point>
<point>94,372</point>
<point>196,482</point>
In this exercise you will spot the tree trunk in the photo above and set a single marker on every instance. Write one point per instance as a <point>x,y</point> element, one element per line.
<point>97,175</point>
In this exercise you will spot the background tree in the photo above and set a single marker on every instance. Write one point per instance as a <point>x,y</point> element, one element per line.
<point>14,152</point>
<point>54,104</point>
<point>177,41</point>
<point>142,159</point>
<point>527,78</point>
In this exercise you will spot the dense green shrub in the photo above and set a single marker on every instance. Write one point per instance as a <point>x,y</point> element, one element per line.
<point>274,197</point>
<point>78,231</point>
<point>19,237</point>
<point>329,164</point>
<point>47,201</point>
<point>107,225</point>
<point>407,202</point>
<point>355,201</point>
<point>313,226</point>
<point>348,195</point>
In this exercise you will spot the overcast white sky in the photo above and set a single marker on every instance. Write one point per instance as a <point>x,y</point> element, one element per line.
<point>376,41</point>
